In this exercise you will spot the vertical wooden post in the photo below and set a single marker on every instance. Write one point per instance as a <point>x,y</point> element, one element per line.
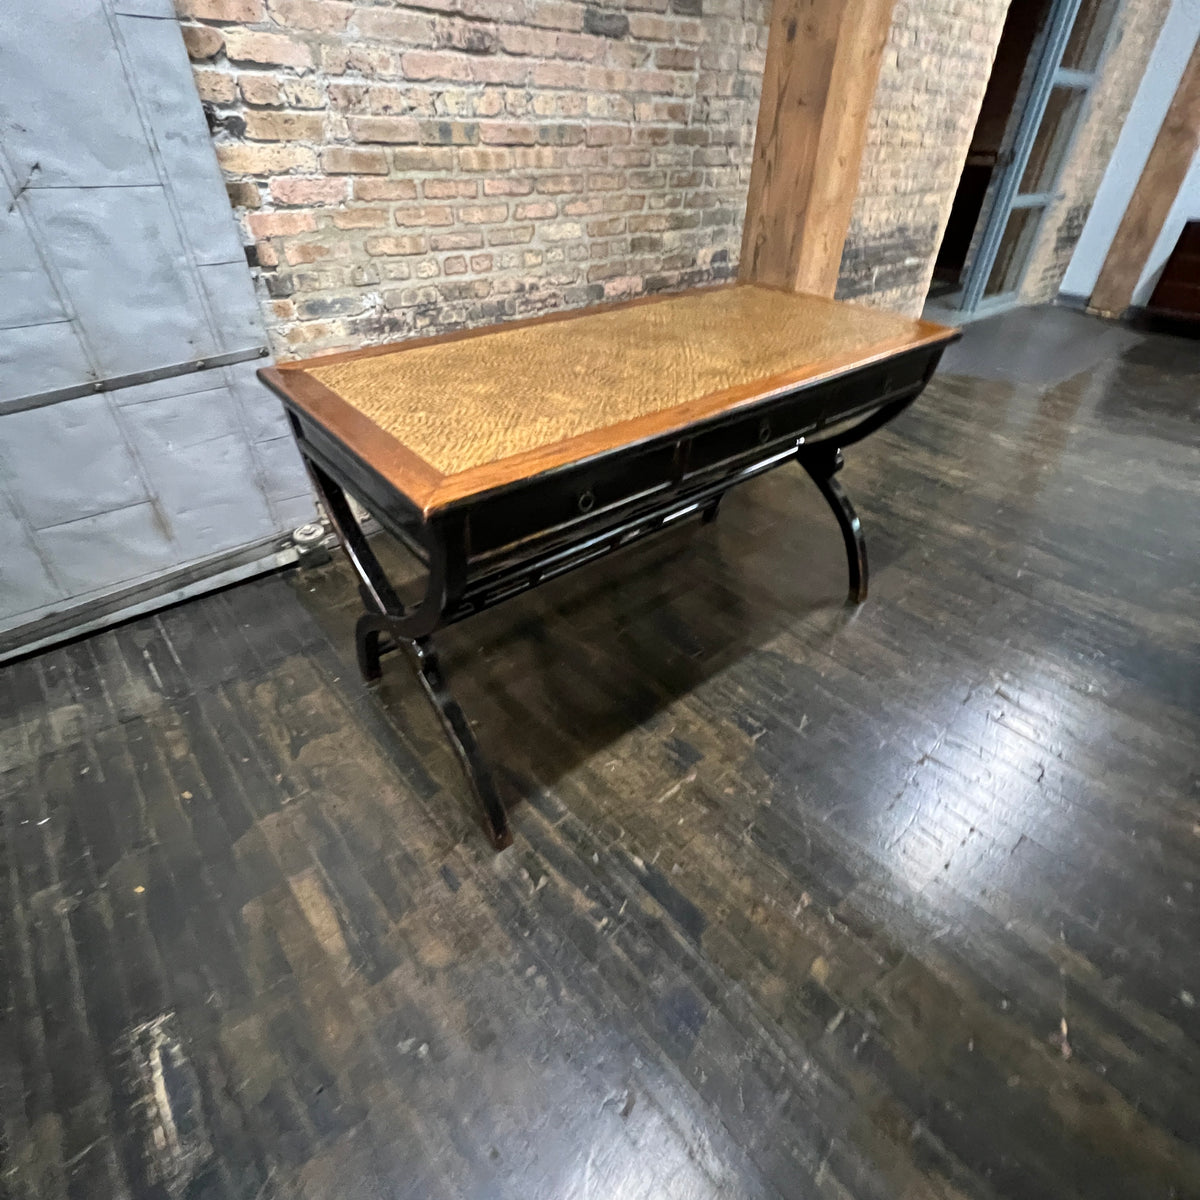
<point>1159,184</point>
<point>822,66</point>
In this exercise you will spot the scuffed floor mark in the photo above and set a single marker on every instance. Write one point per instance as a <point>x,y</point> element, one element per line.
<point>166,1091</point>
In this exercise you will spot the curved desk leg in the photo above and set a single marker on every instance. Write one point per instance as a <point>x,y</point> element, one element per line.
<point>823,464</point>
<point>429,672</point>
<point>386,618</point>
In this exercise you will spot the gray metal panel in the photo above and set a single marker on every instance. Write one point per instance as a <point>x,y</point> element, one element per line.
<point>208,495</point>
<point>159,64</point>
<point>111,548</point>
<point>126,274</point>
<point>263,414</point>
<point>145,8</point>
<point>25,584</point>
<point>283,472</point>
<point>68,461</point>
<point>27,295</point>
<point>67,113</point>
<point>39,358</point>
<point>233,304</point>
<point>160,427</point>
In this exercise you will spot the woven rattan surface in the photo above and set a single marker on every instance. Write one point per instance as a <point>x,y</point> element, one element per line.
<point>461,404</point>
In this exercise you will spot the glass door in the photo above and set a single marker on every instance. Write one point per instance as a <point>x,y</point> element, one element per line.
<point>1076,34</point>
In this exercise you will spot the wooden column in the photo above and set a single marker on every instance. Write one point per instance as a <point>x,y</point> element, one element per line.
<point>819,81</point>
<point>1169,160</point>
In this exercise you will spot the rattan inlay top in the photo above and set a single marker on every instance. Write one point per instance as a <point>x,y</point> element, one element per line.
<point>461,404</point>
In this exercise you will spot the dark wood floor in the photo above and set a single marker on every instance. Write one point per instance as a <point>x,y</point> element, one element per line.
<point>804,902</point>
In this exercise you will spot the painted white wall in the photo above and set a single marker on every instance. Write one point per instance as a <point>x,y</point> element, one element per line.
<point>1165,69</point>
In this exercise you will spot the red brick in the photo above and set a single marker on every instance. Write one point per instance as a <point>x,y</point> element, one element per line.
<point>507,187</point>
<point>240,159</point>
<point>384,129</point>
<point>385,189</point>
<point>244,12</point>
<point>432,64</point>
<point>483,214</point>
<point>674,58</point>
<point>555,184</point>
<point>202,42</point>
<point>481,262</point>
<point>410,244</point>
<point>353,160</point>
<point>539,211</point>
<point>278,224</point>
<point>456,264</point>
<point>305,252</point>
<point>360,218</point>
<point>322,16</point>
<point>271,49</point>
<point>267,126</point>
<point>396,28</point>
<point>215,86</point>
<point>449,189</point>
<point>506,133</point>
<point>485,160</point>
<point>428,214</point>
<point>459,239</point>
<point>300,189</point>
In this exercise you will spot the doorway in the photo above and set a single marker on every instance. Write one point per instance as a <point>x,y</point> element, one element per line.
<point>1046,63</point>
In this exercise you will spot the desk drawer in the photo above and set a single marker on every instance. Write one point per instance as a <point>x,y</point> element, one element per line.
<point>568,497</point>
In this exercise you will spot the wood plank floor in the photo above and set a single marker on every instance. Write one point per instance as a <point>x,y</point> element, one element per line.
<point>898,902</point>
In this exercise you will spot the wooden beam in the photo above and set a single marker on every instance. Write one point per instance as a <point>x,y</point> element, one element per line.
<point>819,80</point>
<point>1169,160</point>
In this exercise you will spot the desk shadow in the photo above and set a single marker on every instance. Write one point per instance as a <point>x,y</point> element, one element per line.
<point>553,677</point>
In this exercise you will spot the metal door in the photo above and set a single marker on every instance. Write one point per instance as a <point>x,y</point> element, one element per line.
<point>136,445</point>
<point>1066,68</point>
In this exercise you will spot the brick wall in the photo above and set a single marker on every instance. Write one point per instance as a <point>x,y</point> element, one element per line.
<point>416,167</point>
<point>931,83</point>
<point>1138,25</point>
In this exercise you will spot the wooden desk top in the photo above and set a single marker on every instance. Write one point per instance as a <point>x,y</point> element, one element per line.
<point>444,418</point>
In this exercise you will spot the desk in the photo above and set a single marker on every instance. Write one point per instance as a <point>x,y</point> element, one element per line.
<point>504,457</point>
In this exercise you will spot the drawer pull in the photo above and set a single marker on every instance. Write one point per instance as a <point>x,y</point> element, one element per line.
<point>586,502</point>
<point>764,431</point>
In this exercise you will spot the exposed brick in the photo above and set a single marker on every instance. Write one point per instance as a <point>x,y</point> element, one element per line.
<point>385,189</point>
<point>270,49</point>
<point>243,12</point>
<point>507,187</point>
<point>215,87</point>
<point>354,160</point>
<point>433,64</point>
<point>485,160</point>
<point>540,211</point>
<point>504,133</point>
<point>414,243</point>
<point>360,218</point>
<point>460,239</point>
<point>269,126</point>
<point>605,23</point>
<point>455,264</point>
<point>385,129</point>
<point>449,189</point>
<point>242,193</point>
<point>483,214</point>
<point>302,190</point>
<point>323,16</point>
<point>202,42</point>
<point>425,215</point>
<point>240,159</point>
<point>280,224</point>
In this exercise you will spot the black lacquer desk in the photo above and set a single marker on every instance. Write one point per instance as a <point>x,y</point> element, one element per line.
<point>506,456</point>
